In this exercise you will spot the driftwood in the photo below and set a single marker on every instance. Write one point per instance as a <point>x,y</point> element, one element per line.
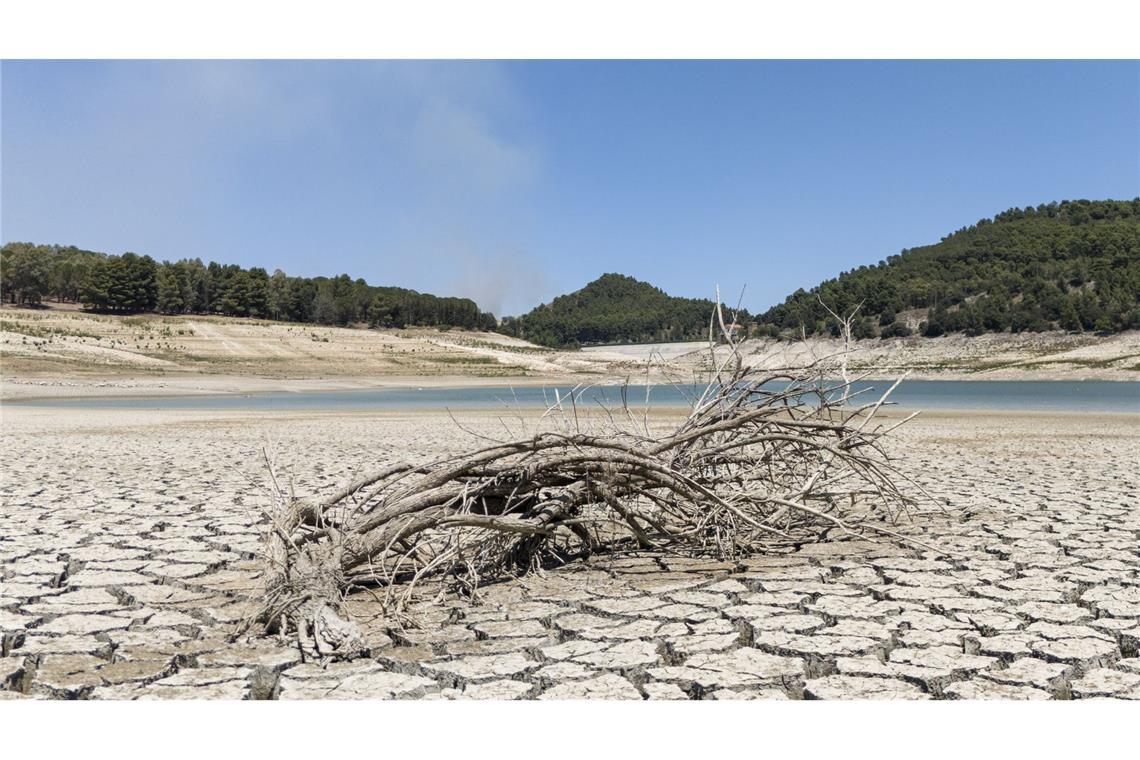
<point>762,459</point>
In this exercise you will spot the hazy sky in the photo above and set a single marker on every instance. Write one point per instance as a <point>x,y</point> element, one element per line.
<point>512,182</point>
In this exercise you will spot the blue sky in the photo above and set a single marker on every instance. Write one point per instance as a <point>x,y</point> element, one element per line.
<point>513,182</point>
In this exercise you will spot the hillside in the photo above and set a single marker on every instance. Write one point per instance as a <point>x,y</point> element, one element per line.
<point>613,309</point>
<point>31,274</point>
<point>1073,266</point>
<point>67,343</point>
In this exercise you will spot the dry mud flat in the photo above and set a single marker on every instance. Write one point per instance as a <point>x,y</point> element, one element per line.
<point>128,543</point>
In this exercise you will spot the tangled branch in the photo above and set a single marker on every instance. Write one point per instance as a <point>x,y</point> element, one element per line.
<point>762,459</point>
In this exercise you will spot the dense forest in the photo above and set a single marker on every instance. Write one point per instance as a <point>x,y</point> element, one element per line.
<point>1073,265</point>
<point>614,309</point>
<point>31,273</point>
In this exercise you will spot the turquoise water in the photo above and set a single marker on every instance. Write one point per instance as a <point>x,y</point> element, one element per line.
<point>1077,396</point>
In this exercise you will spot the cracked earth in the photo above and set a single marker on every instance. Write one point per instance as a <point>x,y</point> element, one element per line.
<point>129,541</point>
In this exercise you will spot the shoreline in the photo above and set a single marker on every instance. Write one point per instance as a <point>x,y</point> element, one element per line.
<point>28,390</point>
<point>106,419</point>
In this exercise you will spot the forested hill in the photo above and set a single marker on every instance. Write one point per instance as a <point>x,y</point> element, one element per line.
<point>1073,265</point>
<point>614,309</point>
<point>32,273</point>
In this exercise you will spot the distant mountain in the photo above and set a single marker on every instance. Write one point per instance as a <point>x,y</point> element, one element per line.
<point>1073,265</point>
<point>614,309</point>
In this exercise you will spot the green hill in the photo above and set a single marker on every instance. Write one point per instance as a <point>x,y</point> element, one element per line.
<point>614,309</point>
<point>1073,265</point>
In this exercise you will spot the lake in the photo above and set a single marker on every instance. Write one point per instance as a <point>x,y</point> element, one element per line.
<point>1013,395</point>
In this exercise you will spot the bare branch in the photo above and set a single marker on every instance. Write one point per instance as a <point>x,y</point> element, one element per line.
<point>763,459</point>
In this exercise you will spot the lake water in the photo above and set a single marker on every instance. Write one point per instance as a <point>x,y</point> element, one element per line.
<point>1078,396</point>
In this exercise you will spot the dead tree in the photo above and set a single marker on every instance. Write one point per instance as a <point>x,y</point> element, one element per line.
<point>762,459</point>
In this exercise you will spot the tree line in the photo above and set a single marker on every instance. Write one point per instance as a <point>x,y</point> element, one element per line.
<point>130,283</point>
<point>1073,265</point>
